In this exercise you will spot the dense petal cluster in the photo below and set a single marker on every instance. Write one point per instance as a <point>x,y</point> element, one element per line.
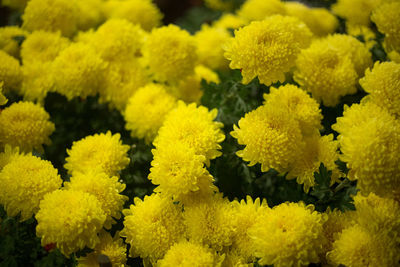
<point>24,182</point>
<point>104,152</point>
<point>8,39</point>
<point>355,11</point>
<point>267,49</point>
<point>10,72</point>
<point>260,9</point>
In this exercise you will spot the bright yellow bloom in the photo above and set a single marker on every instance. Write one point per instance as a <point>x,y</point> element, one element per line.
<point>272,137</point>
<point>113,248</point>
<point>78,71</point>
<point>383,83</point>
<point>288,235</point>
<point>69,219</point>
<point>299,104</point>
<point>104,152</point>
<point>356,12</point>
<point>260,9</point>
<point>210,41</point>
<point>187,254</point>
<point>10,72</point>
<point>195,127</point>
<point>152,226</point>
<point>386,18</point>
<point>106,189</point>
<point>26,125</point>
<point>146,111</point>
<point>37,81</point>
<point>229,21</point>
<point>24,182</point>
<point>51,15</point>
<point>370,140</point>
<point>8,155</point>
<point>170,53</point>
<point>142,12</point>
<point>267,49</point>
<point>7,39</point>
<point>90,14</point>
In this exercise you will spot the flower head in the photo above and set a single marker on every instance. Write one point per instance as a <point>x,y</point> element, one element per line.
<point>355,11</point>
<point>8,155</point>
<point>10,72</point>
<point>260,9</point>
<point>386,18</point>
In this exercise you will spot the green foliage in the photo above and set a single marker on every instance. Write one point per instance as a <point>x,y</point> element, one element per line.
<point>195,17</point>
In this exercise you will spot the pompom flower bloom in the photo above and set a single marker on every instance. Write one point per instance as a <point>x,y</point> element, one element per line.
<point>386,18</point>
<point>195,127</point>
<point>104,152</point>
<point>288,235</point>
<point>26,125</point>
<point>152,226</point>
<point>106,189</point>
<point>267,49</point>
<point>24,182</point>
<point>260,9</point>
<point>70,219</point>
<point>10,72</point>
<point>170,53</point>
<point>146,111</point>
<point>356,12</point>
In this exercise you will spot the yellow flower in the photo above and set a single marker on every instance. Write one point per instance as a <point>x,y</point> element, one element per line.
<point>323,71</point>
<point>78,71</point>
<point>51,15</point>
<point>10,72</point>
<point>113,248</point>
<point>299,104</point>
<point>188,254</point>
<point>260,9</point>
<point>318,149</point>
<point>365,32</point>
<point>357,247</point>
<point>170,53</point>
<point>37,81</point>
<point>193,126</point>
<point>24,182</point>
<point>7,39</point>
<point>142,12</point>
<point>386,18</point>
<point>370,140</point>
<point>3,99</point>
<point>229,21</point>
<point>355,11</point>
<point>267,49</point>
<point>90,14</point>
<point>271,137</point>
<point>106,189</point>
<point>8,155</point>
<point>26,125</point>
<point>146,111</point>
<point>69,219</point>
<point>152,226</point>
<point>383,83</point>
<point>210,41</point>
<point>104,152</point>
<point>288,235</point>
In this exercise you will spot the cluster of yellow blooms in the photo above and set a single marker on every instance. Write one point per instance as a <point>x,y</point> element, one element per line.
<point>118,50</point>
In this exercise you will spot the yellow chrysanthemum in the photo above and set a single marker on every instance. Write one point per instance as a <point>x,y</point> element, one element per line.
<point>113,248</point>
<point>118,40</point>
<point>51,15</point>
<point>267,49</point>
<point>368,35</point>
<point>176,169</point>
<point>24,182</point>
<point>42,46</point>
<point>3,99</point>
<point>170,53</point>
<point>90,14</point>
<point>152,226</point>
<point>187,254</point>
<point>370,140</point>
<point>26,125</point>
<point>318,149</point>
<point>144,13</point>
<point>15,4</point>
<point>10,72</point>
<point>146,111</point>
<point>272,137</point>
<point>299,104</point>
<point>229,21</point>
<point>386,18</point>
<point>261,9</point>
<point>8,155</point>
<point>211,222</point>
<point>324,72</point>
<point>69,219</point>
<point>357,247</point>
<point>355,11</point>
<point>104,152</point>
<point>288,235</point>
<point>78,71</point>
<point>210,41</point>
<point>8,39</point>
<point>195,127</point>
<point>37,81</point>
<point>106,189</point>
<point>189,89</point>
<point>319,20</point>
<point>383,83</point>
